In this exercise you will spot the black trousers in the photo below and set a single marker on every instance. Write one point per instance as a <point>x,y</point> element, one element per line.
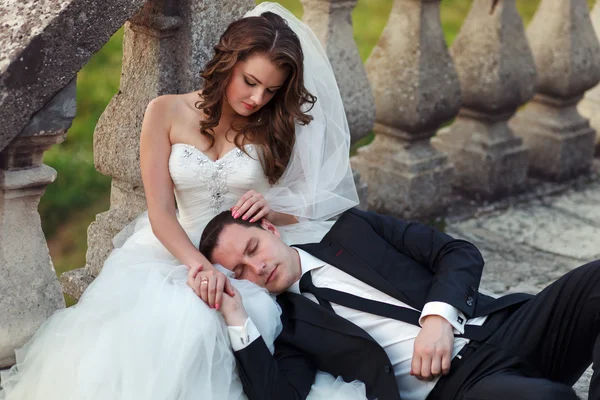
<point>539,350</point>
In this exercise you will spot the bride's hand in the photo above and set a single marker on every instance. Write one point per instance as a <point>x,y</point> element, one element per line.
<point>209,284</point>
<point>252,206</point>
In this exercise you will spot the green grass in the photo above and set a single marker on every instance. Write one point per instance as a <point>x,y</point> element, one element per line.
<point>79,193</point>
<point>71,203</point>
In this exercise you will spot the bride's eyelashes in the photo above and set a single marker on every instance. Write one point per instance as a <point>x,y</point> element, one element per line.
<point>254,84</point>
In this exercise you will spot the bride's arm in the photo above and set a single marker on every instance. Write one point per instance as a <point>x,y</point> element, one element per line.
<point>155,149</point>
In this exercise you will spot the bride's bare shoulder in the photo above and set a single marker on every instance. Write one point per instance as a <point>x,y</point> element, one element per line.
<point>171,104</point>
<point>170,114</point>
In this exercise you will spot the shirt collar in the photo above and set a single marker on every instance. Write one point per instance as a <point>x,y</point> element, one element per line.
<point>308,262</point>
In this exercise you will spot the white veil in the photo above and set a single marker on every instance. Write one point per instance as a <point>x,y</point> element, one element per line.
<point>317,183</point>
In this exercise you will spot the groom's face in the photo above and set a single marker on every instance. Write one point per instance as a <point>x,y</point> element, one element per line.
<point>258,255</point>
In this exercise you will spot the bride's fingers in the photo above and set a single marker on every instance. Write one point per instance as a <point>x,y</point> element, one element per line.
<point>260,214</point>
<point>212,290</point>
<point>252,210</point>
<point>236,209</point>
<point>202,285</point>
<point>245,207</point>
<point>219,291</point>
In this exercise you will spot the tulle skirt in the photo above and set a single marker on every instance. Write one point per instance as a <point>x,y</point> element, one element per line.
<point>139,332</point>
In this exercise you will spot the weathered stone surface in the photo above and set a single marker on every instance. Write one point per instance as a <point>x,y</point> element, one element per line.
<point>362,189</point>
<point>497,75</point>
<point>165,47</point>
<point>548,229</point>
<point>44,44</point>
<point>583,384</point>
<point>589,107</point>
<point>331,20</point>
<point>567,57</point>
<point>416,89</point>
<point>76,281</point>
<point>411,180</point>
<point>30,290</point>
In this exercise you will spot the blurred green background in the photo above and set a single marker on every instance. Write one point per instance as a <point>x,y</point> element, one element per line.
<point>79,193</point>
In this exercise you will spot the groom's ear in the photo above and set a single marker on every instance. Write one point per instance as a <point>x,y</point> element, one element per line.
<point>268,226</point>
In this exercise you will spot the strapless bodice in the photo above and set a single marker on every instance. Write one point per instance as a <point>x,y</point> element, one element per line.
<point>204,187</point>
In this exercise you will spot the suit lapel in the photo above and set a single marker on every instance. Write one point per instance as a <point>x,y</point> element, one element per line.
<point>334,253</point>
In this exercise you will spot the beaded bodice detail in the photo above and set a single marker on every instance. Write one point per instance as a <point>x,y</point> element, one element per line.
<point>204,187</point>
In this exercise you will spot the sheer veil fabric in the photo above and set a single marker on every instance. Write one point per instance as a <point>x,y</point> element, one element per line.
<point>139,331</point>
<point>317,183</point>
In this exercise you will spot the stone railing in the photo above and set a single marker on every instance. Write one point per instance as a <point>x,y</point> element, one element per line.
<point>44,44</point>
<point>411,86</point>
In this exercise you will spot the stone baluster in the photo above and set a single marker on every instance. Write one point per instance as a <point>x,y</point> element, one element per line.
<point>567,58</point>
<point>416,89</point>
<point>589,107</point>
<point>164,48</point>
<point>331,20</point>
<point>29,289</point>
<point>497,74</point>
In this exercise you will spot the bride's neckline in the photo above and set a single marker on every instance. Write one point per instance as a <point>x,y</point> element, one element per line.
<point>204,154</point>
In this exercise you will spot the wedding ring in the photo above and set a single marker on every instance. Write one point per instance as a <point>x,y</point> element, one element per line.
<point>203,281</point>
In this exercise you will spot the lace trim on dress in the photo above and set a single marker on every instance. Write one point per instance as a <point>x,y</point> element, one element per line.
<point>214,173</point>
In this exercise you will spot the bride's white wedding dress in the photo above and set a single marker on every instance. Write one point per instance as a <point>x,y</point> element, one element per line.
<point>138,331</point>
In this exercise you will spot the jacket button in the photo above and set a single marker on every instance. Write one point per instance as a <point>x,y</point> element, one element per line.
<point>387,369</point>
<point>470,301</point>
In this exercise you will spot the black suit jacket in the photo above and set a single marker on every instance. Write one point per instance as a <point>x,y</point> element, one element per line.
<point>411,262</point>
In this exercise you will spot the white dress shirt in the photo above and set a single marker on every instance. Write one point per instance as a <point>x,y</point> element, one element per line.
<point>395,337</point>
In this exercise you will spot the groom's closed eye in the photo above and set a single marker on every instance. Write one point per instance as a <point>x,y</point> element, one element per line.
<point>250,250</point>
<point>251,247</point>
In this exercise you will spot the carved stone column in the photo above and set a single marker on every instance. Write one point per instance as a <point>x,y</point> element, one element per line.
<point>497,74</point>
<point>331,20</point>
<point>164,48</point>
<point>567,57</point>
<point>589,107</point>
<point>29,289</point>
<point>416,89</point>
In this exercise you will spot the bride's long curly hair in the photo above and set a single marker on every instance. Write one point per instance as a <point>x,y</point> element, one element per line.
<point>272,126</point>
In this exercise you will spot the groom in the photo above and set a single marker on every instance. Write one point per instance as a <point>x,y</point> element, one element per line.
<point>396,305</point>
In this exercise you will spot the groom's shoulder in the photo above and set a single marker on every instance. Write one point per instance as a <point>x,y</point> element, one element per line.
<point>355,215</point>
<point>353,220</point>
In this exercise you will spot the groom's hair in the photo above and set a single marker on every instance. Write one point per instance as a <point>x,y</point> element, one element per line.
<point>210,236</point>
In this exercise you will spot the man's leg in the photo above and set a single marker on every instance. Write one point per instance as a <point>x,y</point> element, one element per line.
<point>555,336</point>
<point>509,385</point>
<point>546,344</point>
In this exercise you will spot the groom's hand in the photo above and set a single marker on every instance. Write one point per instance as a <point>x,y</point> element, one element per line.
<point>233,309</point>
<point>433,349</point>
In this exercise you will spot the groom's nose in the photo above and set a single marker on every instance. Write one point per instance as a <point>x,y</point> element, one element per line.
<point>257,266</point>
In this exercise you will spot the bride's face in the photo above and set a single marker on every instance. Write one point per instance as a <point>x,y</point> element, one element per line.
<point>253,84</point>
<point>258,255</point>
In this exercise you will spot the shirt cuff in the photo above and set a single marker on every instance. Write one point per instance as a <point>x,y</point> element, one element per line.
<point>242,336</point>
<point>451,314</point>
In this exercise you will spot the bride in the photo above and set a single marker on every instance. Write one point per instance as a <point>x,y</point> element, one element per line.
<point>273,142</point>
